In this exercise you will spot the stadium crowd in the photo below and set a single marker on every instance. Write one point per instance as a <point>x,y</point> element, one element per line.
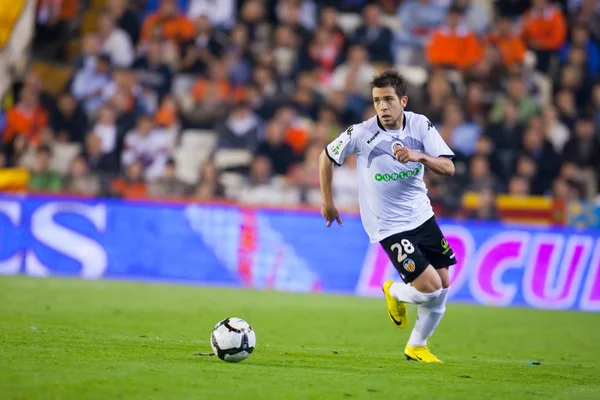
<point>235,100</point>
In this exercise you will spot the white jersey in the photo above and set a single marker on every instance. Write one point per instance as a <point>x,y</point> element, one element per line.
<point>392,195</point>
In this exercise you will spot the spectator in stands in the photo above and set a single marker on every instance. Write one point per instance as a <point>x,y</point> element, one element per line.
<point>106,129</point>
<point>52,25</point>
<point>544,32</point>
<point>476,104</point>
<point>26,118</point>
<point>566,106</point>
<point>207,44</point>
<point>328,22</point>
<point>480,175</point>
<point>80,180</point>
<point>511,8</point>
<point>148,145</point>
<point>517,93</point>
<point>124,17</point>
<point>167,115</point>
<point>114,41</point>
<point>584,148</point>
<point>241,130</point>
<point>477,18</point>
<point>212,96</point>
<point>237,57</point>
<point>580,38</point>
<point>209,183</point>
<point>42,177</point>
<point>587,12</point>
<point>98,161</point>
<point>438,91</point>
<point>152,72</point>
<point>464,134</point>
<point>556,132</point>
<point>260,188</point>
<point>536,146</point>
<point>486,209</point>
<point>133,184</point>
<point>510,44</point>
<point>68,120</point>
<point>454,45</point>
<point>301,14</point>
<point>418,20</point>
<point>90,51</point>
<point>595,106</point>
<point>174,25</point>
<point>89,84</point>
<point>252,16</point>
<point>527,168</point>
<point>507,133</point>
<point>285,51</point>
<point>168,185</point>
<point>573,79</point>
<point>353,78</point>
<point>221,15</point>
<point>374,36</point>
<point>518,186</point>
<point>279,153</point>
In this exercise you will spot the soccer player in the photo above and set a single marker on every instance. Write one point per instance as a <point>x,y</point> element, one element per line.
<point>392,150</point>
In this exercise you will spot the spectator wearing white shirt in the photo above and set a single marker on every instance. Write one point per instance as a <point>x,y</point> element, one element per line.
<point>115,41</point>
<point>89,83</point>
<point>148,145</point>
<point>106,129</point>
<point>221,13</point>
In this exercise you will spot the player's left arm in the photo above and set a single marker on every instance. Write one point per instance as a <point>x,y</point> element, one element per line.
<point>437,156</point>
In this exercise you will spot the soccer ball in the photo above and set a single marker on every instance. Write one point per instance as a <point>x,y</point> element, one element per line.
<point>233,340</point>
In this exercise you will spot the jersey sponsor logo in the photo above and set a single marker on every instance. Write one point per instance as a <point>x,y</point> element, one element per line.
<point>409,265</point>
<point>445,246</point>
<point>349,131</point>
<point>373,137</point>
<point>399,175</point>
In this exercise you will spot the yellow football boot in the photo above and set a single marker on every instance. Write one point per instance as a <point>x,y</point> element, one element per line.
<point>420,354</point>
<point>396,309</point>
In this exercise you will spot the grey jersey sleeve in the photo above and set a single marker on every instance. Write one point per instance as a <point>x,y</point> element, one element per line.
<point>345,144</point>
<point>434,144</point>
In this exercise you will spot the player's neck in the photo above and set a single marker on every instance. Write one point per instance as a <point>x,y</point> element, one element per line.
<point>398,125</point>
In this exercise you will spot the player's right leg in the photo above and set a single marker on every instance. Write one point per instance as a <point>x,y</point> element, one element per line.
<point>421,284</point>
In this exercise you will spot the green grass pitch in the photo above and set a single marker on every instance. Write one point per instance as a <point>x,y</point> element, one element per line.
<point>73,339</point>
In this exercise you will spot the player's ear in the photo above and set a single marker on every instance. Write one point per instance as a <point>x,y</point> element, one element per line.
<point>404,101</point>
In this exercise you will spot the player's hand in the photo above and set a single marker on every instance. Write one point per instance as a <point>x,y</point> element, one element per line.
<point>330,213</point>
<point>404,154</point>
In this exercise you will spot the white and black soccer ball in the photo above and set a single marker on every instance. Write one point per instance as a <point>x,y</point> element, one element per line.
<point>233,340</point>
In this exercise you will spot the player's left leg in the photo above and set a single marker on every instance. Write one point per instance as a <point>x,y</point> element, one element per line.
<point>435,247</point>
<point>429,316</point>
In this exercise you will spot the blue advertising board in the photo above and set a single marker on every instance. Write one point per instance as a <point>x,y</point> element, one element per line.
<point>287,250</point>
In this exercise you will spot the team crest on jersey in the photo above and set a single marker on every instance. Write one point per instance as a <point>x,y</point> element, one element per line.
<point>409,265</point>
<point>396,143</point>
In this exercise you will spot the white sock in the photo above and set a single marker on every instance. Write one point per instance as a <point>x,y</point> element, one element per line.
<point>429,316</point>
<point>403,292</point>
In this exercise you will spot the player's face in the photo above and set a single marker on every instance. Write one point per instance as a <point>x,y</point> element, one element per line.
<point>389,106</point>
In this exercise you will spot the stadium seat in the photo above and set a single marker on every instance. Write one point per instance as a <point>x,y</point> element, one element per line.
<point>232,158</point>
<point>233,183</point>
<point>195,148</point>
<point>415,75</point>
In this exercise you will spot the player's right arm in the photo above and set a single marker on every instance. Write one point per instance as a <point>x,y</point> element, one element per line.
<point>334,153</point>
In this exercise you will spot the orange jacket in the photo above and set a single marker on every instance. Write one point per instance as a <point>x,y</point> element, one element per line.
<point>547,29</point>
<point>223,90</point>
<point>459,49</point>
<point>20,121</point>
<point>512,48</point>
<point>179,28</point>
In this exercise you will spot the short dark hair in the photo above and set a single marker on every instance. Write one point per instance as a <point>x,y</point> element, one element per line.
<point>390,78</point>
